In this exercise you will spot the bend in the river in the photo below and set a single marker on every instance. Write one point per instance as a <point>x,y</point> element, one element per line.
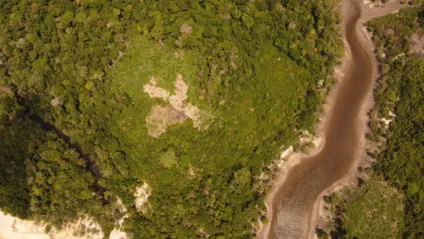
<point>294,202</point>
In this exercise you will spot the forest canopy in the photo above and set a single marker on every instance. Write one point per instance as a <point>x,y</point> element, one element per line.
<point>75,111</point>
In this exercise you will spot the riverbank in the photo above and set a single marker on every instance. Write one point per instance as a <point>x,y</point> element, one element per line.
<point>288,159</point>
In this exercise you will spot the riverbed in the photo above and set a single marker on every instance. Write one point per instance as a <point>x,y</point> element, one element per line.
<point>292,208</point>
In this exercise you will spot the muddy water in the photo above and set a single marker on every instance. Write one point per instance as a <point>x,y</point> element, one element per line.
<point>294,202</point>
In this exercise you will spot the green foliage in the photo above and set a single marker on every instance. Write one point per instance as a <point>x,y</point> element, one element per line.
<point>168,159</point>
<point>40,176</point>
<point>401,160</point>
<point>241,140</point>
<point>14,191</point>
<point>80,67</point>
<point>391,34</point>
<point>374,210</point>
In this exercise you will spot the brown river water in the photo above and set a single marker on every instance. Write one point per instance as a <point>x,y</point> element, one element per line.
<point>294,201</point>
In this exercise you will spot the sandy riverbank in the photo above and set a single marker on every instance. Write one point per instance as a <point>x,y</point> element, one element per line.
<point>288,160</point>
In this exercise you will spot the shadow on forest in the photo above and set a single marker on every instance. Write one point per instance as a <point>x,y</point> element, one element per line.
<point>16,148</point>
<point>20,139</point>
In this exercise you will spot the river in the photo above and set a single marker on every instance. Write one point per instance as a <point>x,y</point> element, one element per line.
<point>294,203</point>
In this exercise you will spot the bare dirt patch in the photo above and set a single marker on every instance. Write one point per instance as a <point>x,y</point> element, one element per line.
<point>417,42</point>
<point>117,232</point>
<point>154,91</point>
<point>55,101</point>
<point>11,227</point>
<point>5,90</point>
<point>15,228</point>
<point>83,228</point>
<point>161,117</point>
<point>141,195</point>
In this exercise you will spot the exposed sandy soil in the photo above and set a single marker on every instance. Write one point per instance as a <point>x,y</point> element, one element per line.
<point>161,117</point>
<point>5,90</point>
<point>14,228</point>
<point>117,233</point>
<point>154,91</point>
<point>141,195</point>
<point>84,228</point>
<point>417,42</point>
<point>11,228</point>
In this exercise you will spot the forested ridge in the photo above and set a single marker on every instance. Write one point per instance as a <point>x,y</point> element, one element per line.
<point>390,203</point>
<point>73,112</point>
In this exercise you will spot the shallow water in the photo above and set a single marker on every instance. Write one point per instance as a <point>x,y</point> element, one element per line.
<point>294,201</point>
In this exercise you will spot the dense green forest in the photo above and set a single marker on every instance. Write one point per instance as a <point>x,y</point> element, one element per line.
<point>372,210</point>
<point>74,116</point>
<point>391,203</point>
